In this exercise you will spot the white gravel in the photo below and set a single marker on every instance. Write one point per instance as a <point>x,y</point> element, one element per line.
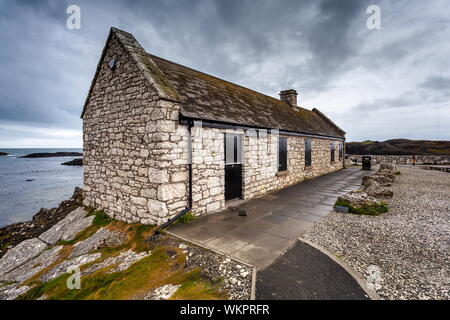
<point>410,243</point>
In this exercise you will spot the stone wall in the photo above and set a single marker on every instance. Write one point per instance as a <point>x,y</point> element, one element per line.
<point>135,157</point>
<point>405,160</point>
<point>260,165</point>
<point>208,170</point>
<point>260,170</point>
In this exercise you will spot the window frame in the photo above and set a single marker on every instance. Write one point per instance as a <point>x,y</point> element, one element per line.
<point>282,154</point>
<point>308,152</point>
<point>332,152</point>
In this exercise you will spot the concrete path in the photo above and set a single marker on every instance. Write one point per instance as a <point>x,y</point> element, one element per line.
<point>305,273</point>
<point>273,222</point>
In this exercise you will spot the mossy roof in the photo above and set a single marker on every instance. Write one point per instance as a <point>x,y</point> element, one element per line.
<point>209,98</point>
<point>206,97</point>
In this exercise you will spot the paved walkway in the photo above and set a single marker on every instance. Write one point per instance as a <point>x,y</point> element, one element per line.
<point>273,222</point>
<point>305,273</point>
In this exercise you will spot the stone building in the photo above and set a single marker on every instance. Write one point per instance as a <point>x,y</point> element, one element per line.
<point>160,137</point>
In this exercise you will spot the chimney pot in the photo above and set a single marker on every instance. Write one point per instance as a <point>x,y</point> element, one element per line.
<point>289,96</point>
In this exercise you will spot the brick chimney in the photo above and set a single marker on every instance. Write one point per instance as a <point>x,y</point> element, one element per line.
<point>289,96</point>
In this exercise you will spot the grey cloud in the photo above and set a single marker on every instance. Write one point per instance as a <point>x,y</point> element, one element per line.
<point>266,45</point>
<point>440,83</point>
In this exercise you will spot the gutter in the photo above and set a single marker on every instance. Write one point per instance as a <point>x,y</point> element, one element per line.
<point>224,125</point>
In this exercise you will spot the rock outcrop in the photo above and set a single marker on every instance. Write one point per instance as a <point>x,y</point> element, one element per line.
<point>101,239</point>
<point>33,266</point>
<point>52,154</point>
<point>74,162</point>
<point>68,228</point>
<point>13,234</point>
<point>20,254</point>
<point>62,267</point>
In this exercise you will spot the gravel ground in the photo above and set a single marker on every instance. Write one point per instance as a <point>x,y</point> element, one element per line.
<point>410,243</point>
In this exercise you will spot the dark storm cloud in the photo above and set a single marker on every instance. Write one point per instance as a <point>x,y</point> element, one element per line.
<point>321,48</point>
<point>439,83</point>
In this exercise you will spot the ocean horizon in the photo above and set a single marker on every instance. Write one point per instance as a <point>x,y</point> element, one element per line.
<point>27,185</point>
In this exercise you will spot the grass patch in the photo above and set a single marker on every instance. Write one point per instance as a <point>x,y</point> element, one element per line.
<point>188,217</point>
<point>101,218</point>
<point>373,210</point>
<point>194,288</point>
<point>397,173</point>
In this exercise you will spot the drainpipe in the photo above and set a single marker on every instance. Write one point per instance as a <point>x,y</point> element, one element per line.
<point>189,206</point>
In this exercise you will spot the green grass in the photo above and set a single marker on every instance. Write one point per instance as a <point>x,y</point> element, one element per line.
<point>373,210</point>
<point>397,173</point>
<point>101,218</point>
<point>188,217</point>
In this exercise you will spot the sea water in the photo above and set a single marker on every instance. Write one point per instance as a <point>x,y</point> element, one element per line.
<point>28,184</point>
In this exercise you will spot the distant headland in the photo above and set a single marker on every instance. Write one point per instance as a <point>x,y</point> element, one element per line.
<point>399,147</point>
<point>52,154</point>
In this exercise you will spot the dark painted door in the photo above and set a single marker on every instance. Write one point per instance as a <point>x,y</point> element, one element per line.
<point>233,166</point>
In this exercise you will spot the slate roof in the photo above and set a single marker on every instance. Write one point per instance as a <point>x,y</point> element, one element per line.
<point>209,98</point>
<point>206,97</point>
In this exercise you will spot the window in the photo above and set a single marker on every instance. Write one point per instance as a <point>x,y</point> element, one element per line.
<point>308,152</point>
<point>341,150</point>
<point>233,146</point>
<point>282,154</point>
<point>332,151</point>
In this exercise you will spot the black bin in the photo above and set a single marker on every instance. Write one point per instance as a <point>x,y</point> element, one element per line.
<point>366,162</point>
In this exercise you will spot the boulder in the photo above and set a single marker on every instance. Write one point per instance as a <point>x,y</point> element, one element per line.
<point>101,239</point>
<point>388,166</point>
<point>20,254</point>
<point>358,199</point>
<point>68,228</point>
<point>379,184</point>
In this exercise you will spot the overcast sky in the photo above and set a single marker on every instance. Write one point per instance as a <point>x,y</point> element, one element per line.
<point>376,84</point>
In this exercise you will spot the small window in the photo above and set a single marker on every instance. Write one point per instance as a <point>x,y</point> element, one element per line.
<point>282,154</point>
<point>332,151</point>
<point>233,147</point>
<point>308,152</point>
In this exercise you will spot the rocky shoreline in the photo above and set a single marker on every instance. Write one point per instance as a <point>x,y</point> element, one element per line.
<point>43,220</point>
<point>36,255</point>
<point>74,162</point>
